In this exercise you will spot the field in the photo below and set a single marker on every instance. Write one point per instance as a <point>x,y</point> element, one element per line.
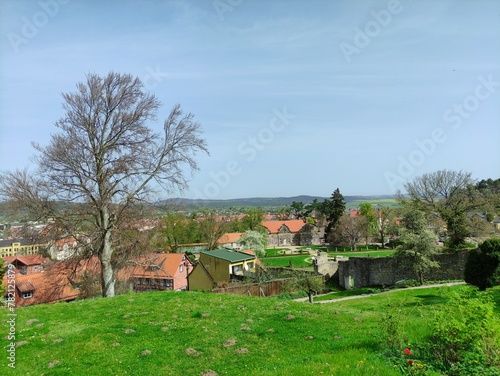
<point>170,333</point>
<point>376,203</point>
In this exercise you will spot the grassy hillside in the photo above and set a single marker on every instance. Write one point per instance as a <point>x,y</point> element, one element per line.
<point>168,333</point>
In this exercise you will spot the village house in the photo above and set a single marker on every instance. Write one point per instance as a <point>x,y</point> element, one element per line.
<point>63,249</point>
<point>220,266</point>
<point>38,281</point>
<point>160,271</point>
<point>292,233</point>
<point>19,246</point>
<point>230,240</point>
<point>26,265</point>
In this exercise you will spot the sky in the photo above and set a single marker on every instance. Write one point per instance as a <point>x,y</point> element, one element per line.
<point>294,97</point>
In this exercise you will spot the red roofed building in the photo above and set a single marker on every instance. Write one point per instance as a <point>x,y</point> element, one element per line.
<point>291,232</point>
<point>51,285</point>
<point>161,271</point>
<point>230,240</point>
<point>27,264</point>
<point>63,249</point>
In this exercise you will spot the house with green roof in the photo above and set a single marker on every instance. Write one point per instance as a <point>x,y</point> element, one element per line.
<point>220,266</point>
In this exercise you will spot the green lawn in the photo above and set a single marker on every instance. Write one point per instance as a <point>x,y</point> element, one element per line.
<point>384,253</point>
<point>171,333</point>
<point>296,261</point>
<point>347,293</point>
<point>302,261</point>
<point>272,252</point>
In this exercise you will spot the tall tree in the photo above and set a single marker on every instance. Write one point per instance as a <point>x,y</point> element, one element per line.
<point>386,221</point>
<point>335,211</point>
<point>298,210</point>
<point>348,232</point>
<point>417,243</point>
<point>104,160</point>
<point>451,194</point>
<point>366,210</point>
<point>253,220</point>
<point>490,189</point>
<point>174,231</point>
<point>212,228</point>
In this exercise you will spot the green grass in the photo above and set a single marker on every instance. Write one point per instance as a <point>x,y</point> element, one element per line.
<point>385,253</point>
<point>305,261</point>
<point>272,252</point>
<point>297,261</point>
<point>383,202</point>
<point>273,336</point>
<point>347,293</point>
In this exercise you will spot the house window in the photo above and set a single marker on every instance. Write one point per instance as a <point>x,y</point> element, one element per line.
<point>250,265</point>
<point>27,295</point>
<point>35,267</point>
<point>169,283</point>
<point>181,268</point>
<point>237,269</point>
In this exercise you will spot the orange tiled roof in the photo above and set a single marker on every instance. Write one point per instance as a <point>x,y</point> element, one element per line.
<point>294,225</point>
<point>50,286</point>
<point>168,264</point>
<point>27,260</point>
<point>230,237</point>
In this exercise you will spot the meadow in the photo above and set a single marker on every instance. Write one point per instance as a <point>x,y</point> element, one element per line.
<point>190,333</point>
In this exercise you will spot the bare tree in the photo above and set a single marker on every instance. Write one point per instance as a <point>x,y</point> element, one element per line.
<point>348,232</point>
<point>450,194</point>
<point>103,163</point>
<point>386,218</point>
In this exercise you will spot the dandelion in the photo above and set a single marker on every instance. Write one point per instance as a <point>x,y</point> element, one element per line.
<point>407,351</point>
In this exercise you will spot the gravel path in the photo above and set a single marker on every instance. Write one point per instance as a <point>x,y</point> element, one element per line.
<point>379,293</point>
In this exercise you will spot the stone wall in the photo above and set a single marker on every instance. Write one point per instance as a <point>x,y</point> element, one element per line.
<point>325,265</point>
<point>359,272</point>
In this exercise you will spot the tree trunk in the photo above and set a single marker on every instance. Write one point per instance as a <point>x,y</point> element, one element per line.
<point>421,276</point>
<point>310,296</point>
<point>107,272</point>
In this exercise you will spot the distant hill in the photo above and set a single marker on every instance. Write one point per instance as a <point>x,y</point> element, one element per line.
<point>352,201</point>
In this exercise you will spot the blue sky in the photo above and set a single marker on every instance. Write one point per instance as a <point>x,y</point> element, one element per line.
<point>294,97</point>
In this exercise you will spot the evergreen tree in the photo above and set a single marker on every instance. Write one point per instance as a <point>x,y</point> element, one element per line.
<point>417,243</point>
<point>336,209</point>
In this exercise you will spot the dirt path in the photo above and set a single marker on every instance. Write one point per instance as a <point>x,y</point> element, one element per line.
<point>378,293</point>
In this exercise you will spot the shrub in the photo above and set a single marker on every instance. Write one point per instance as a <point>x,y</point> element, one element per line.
<point>466,336</point>
<point>482,268</point>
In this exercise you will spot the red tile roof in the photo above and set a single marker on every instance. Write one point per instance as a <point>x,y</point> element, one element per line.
<point>27,260</point>
<point>49,286</point>
<point>230,237</point>
<point>167,265</point>
<point>294,225</point>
